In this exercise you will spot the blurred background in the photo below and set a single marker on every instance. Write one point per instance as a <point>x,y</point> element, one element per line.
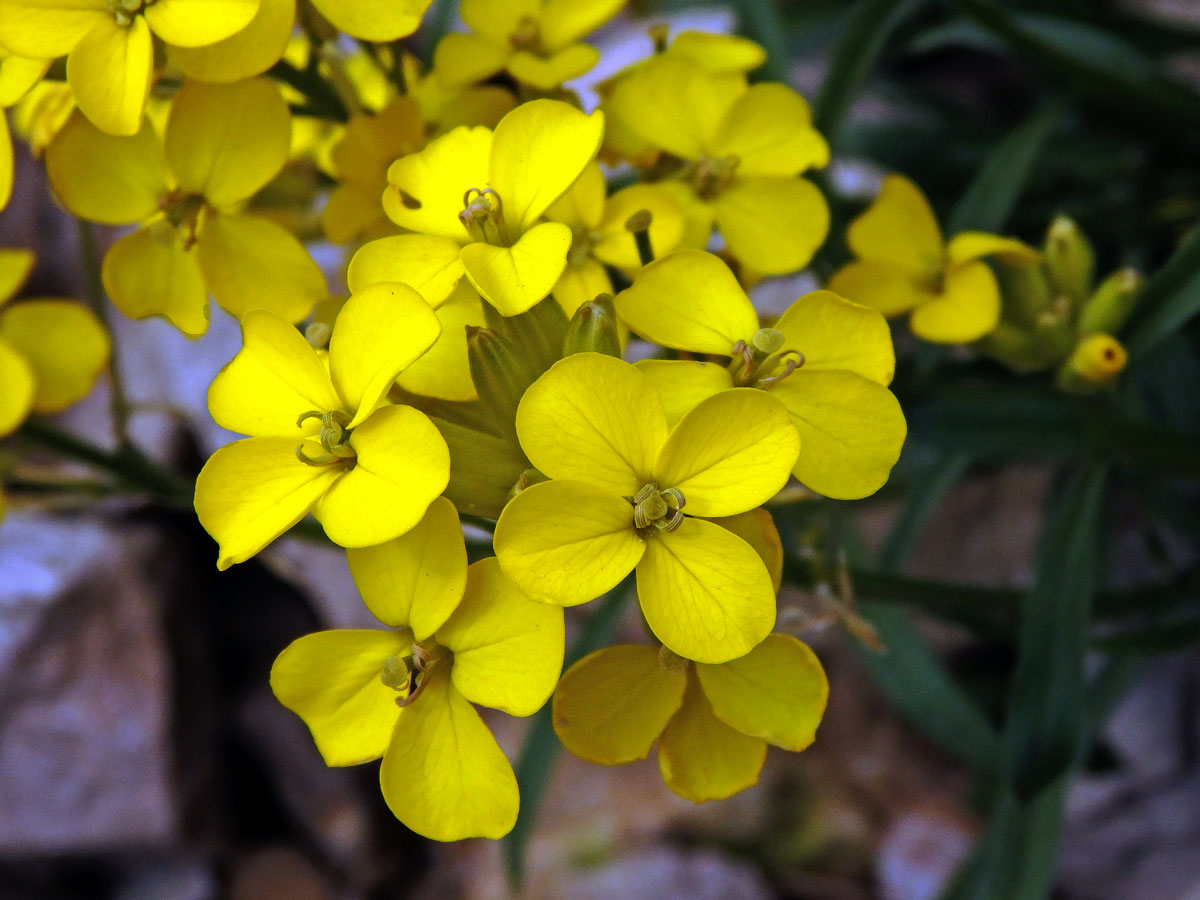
<point>143,757</point>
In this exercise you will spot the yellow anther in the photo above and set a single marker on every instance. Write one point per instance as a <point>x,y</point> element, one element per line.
<point>657,509</point>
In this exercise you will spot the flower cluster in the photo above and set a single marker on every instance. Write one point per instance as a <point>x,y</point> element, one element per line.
<point>546,331</point>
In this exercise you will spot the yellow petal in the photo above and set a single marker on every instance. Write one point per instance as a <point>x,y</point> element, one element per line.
<point>374,20</point>
<point>833,333</point>
<point>617,246</point>
<point>499,20</point>
<point>595,419</point>
<point>539,149</point>
<point>612,705</point>
<point>245,54</point>
<point>566,543</point>
<point>733,452</point>
<point>757,529</point>
<point>17,396</point>
<point>683,384</point>
<point>885,286</point>
<point>465,58</point>
<point>18,75</point>
<point>776,692</point>
<point>149,274</point>
<point>378,333</point>
<point>252,491</point>
<point>772,224</point>
<point>583,203</point>
<point>770,131</point>
<point>689,300</point>
<point>193,23</point>
<point>718,52</point>
<point>546,73</point>
<point>701,758</point>
<point>6,166</point>
<point>114,180</point>
<point>689,103</point>
<point>508,649</point>
<point>698,214</point>
<point>967,309</point>
<point>851,431</point>
<point>15,265</point>
<point>110,71</point>
<point>971,245</point>
<point>41,29</point>
<point>515,278</point>
<point>444,371</point>
<point>443,774</point>
<point>351,210</point>
<point>65,345</point>
<point>429,264</point>
<point>417,579</point>
<point>225,141</point>
<point>275,377</point>
<point>402,465</point>
<point>251,263</point>
<point>331,680</point>
<point>580,284</point>
<point>564,21</point>
<point>705,593</point>
<point>898,228</point>
<point>425,190</point>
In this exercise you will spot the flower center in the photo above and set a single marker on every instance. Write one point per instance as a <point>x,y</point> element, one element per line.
<point>334,437</point>
<point>527,36</point>
<point>657,510</point>
<point>182,212</point>
<point>125,11</point>
<point>710,175</point>
<point>407,674</point>
<point>583,239</point>
<point>762,362</point>
<point>483,215</point>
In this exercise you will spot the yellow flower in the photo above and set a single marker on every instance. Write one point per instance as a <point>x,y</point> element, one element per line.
<point>222,144</point>
<point>726,55</point>
<point>903,266</point>
<point>621,484</point>
<point>742,147</point>
<point>17,78</point>
<point>109,48</point>
<point>712,722</point>
<point>599,236</point>
<point>51,350</point>
<point>827,360</point>
<point>249,52</point>
<point>537,41</point>
<point>475,198</point>
<point>461,636</point>
<point>322,440</point>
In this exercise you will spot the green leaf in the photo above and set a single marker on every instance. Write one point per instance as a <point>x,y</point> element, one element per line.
<point>918,685</point>
<point>1045,719</point>
<point>866,35</point>
<point>941,474</point>
<point>1099,63</point>
<point>989,200</point>
<point>762,21</point>
<point>539,751</point>
<point>1169,299</point>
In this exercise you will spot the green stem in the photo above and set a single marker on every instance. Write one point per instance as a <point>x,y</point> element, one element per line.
<point>322,99</point>
<point>93,285</point>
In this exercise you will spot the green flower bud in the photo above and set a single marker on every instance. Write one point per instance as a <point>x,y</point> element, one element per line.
<point>1110,306</point>
<point>594,327</point>
<point>1070,259</point>
<point>500,373</point>
<point>1025,290</point>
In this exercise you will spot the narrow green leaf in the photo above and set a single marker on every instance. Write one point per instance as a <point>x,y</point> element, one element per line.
<point>918,685</point>
<point>989,200</point>
<point>539,751</point>
<point>866,35</point>
<point>1045,717</point>
<point>1171,297</point>
<point>1099,63</point>
<point>942,473</point>
<point>762,21</point>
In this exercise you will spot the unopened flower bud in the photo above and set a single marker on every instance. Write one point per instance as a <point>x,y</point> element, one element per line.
<point>1025,290</point>
<point>1096,362</point>
<point>1070,259</point>
<point>594,328</point>
<point>1109,307</point>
